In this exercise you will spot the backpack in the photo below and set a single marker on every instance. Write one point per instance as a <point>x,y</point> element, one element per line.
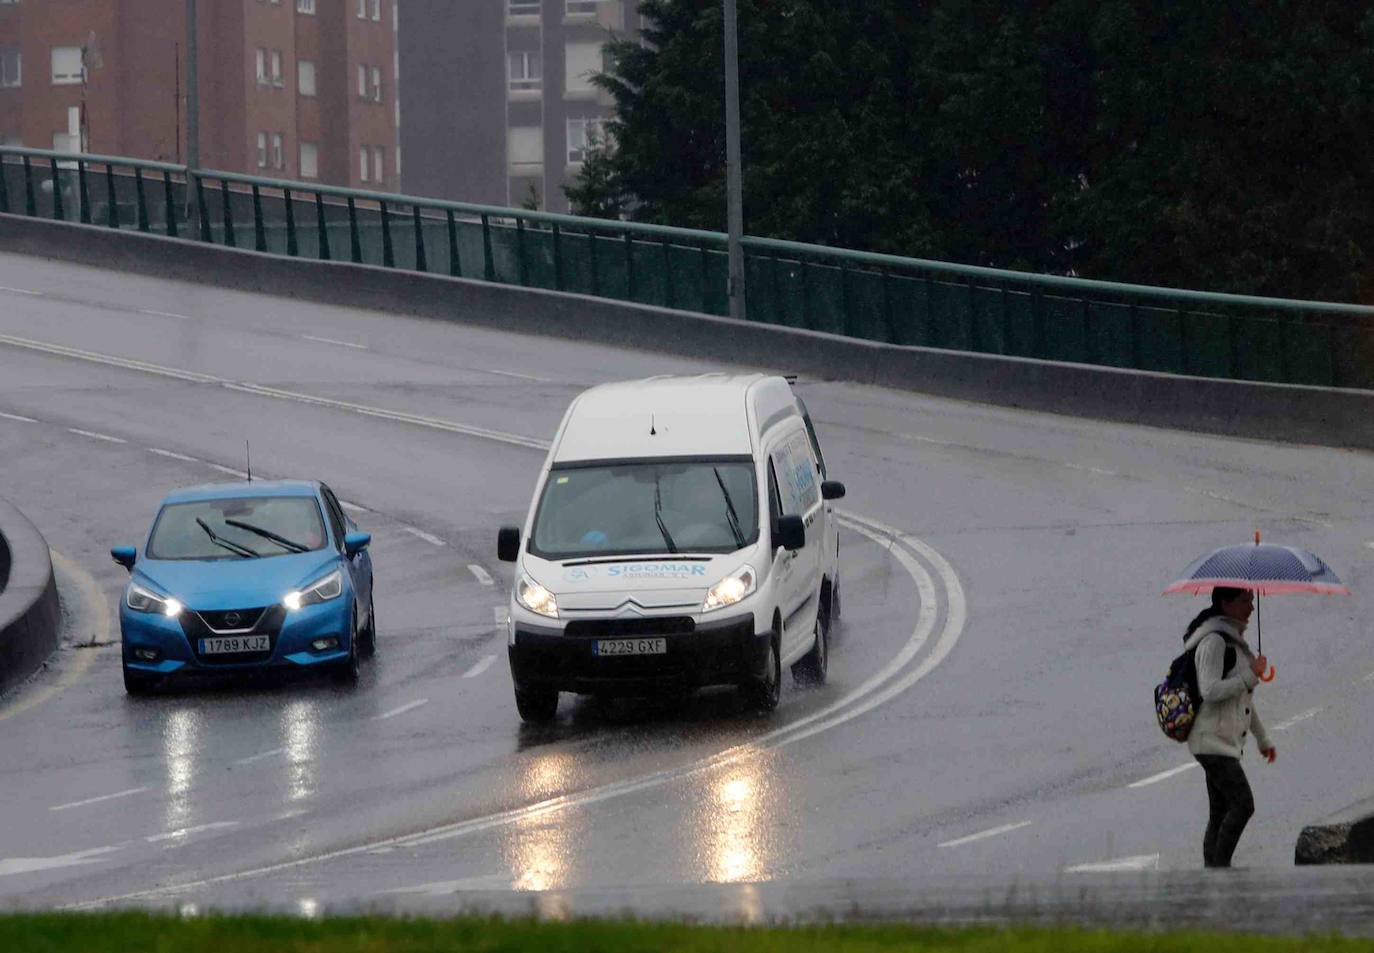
<point>1178,699</point>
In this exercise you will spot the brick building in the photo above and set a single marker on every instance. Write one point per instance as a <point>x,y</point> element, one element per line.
<point>298,89</point>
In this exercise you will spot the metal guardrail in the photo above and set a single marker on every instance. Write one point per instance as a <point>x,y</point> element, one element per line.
<point>857,294</point>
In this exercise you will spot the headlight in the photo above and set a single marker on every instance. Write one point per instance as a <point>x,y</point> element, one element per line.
<point>536,598</point>
<point>145,600</point>
<point>731,589</point>
<point>330,587</point>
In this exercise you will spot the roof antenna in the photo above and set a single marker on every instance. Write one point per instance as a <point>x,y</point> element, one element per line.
<point>248,457</point>
<point>653,431</point>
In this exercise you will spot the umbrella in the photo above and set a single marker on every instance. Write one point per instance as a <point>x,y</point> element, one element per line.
<point>1263,568</point>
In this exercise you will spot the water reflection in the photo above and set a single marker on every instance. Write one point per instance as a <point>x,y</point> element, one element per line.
<point>734,821</point>
<point>181,739</point>
<point>538,847</point>
<point>300,726</point>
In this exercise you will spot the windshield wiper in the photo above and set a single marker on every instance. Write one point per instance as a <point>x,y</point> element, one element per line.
<point>730,510</point>
<point>268,534</point>
<point>236,548</point>
<point>658,516</point>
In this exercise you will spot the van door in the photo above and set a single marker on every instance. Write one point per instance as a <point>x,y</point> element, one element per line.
<point>799,494</point>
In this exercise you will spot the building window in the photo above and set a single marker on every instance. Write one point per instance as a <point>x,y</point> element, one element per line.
<point>581,8</point>
<point>526,148</point>
<point>66,65</point>
<point>262,150</point>
<point>11,69</point>
<point>362,81</point>
<point>377,10</point>
<point>276,68</point>
<point>378,164</point>
<point>69,141</point>
<point>305,6</point>
<point>376,89</point>
<point>278,154</point>
<point>305,77</point>
<point>523,8</point>
<point>310,160</point>
<point>584,135</point>
<point>262,66</point>
<point>582,62</point>
<point>362,15</point>
<point>362,163</point>
<point>526,72</point>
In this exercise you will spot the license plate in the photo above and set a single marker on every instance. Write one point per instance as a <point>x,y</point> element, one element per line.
<point>235,643</point>
<point>630,647</point>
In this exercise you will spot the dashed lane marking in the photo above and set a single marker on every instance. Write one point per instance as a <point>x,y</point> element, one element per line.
<point>22,291</point>
<point>480,667</point>
<point>334,341</point>
<point>984,835</point>
<point>482,575</point>
<point>173,456</point>
<point>409,706</point>
<point>96,436</point>
<point>427,537</point>
<point>520,377</point>
<point>186,832</point>
<point>164,314</point>
<point>229,470</point>
<point>354,507</point>
<point>1162,776</point>
<point>1086,469</point>
<point>1138,862</point>
<point>260,756</point>
<point>96,800</point>
<point>29,865</point>
<point>20,419</point>
<point>1299,718</point>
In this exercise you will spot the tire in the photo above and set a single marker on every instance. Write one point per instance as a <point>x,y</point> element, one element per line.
<point>835,601</point>
<point>537,706</point>
<point>811,668</point>
<point>347,671</point>
<point>763,694</point>
<point>137,683</point>
<point>367,639</point>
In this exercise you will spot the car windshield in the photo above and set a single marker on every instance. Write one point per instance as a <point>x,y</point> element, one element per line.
<point>237,528</point>
<point>708,506</point>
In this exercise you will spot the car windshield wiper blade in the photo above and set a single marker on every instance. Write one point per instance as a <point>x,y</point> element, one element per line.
<point>730,509</point>
<point>282,541</point>
<point>658,517</point>
<point>236,548</point>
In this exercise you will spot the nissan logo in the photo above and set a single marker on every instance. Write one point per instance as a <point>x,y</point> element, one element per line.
<point>233,619</point>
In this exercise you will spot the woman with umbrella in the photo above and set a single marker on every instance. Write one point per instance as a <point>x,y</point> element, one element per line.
<point>1228,672</point>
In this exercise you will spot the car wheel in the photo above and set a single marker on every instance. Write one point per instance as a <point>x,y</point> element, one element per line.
<point>368,637</point>
<point>812,667</point>
<point>139,683</point>
<point>347,671</point>
<point>537,706</point>
<point>763,694</point>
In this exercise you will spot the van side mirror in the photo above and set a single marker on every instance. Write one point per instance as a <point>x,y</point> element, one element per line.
<point>791,534</point>
<point>508,544</point>
<point>125,556</point>
<point>354,543</point>
<point>832,490</point>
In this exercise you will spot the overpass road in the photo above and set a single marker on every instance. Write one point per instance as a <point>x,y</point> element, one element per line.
<point>989,710</point>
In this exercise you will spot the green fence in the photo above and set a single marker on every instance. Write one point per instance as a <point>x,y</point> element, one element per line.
<point>877,297</point>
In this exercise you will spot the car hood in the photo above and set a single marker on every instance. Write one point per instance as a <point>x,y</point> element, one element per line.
<point>215,584</point>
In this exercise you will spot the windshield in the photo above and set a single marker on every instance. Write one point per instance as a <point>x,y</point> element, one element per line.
<point>666,506</point>
<point>237,529</point>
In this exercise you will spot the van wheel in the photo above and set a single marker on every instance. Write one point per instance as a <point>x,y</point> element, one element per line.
<point>835,601</point>
<point>812,667</point>
<point>537,706</point>
<point>763,694</point>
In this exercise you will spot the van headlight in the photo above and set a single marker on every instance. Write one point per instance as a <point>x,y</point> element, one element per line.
<point>330,587</point>
<point>734,587</point>
<point>536,598</point>
<point>145,600</point>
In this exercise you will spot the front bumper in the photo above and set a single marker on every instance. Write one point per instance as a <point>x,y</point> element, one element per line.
<point>719,652</point>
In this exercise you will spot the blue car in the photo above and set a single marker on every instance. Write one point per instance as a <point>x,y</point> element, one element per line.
<point>237,576</point>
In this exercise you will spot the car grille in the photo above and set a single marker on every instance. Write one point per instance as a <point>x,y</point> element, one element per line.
<point>232,620</point>
<point>197,626</point>
<point>618,628</point>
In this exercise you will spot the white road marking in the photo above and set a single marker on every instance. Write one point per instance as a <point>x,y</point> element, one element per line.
<point>480,667</point>
<point>1138,862</point>
<point>522,377</point>
<point>409,706</point>
<point>188,831</point>
<point>261,756</point>
<point>440,887</point>
<point>482,575</point>
<point>1086,469</point>
<point>28,865</point>
<point>356,347</point>
<point>96,436</point>
<point>1162,776</point>
<point>229,470</point>
<point>354,507</point>
<point>174,456</point>
<point>96,800</point>
<point>22,291</point>
<point>427,537</point>
<point>22,420</point>
<point>127,363</point>
<point>984,835</point>
<point>1297,719</point>
<point>164,314</point>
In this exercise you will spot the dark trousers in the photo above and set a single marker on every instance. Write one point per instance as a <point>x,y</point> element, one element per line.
<point>1230,805</point>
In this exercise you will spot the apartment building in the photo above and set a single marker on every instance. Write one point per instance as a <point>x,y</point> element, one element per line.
<point>499,104</point>
<point>298,89</point>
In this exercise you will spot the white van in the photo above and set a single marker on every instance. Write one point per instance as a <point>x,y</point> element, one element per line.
<point>681,535</point>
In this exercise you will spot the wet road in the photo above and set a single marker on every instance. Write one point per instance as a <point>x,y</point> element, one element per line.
<point>988,712</point>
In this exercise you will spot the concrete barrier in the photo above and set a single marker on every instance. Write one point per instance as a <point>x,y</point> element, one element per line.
<point>30,615</point>
<point>1279,412</point>
<point>1346,837</point>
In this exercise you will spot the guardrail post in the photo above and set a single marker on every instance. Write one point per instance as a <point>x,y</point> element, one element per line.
<point>845,323</point>
<point>1039,345</point>
<point>803,272</point>
<point>142,202</point>
<point>520,273</point>
<point>1182,341</point>
<point>202,211</point>
<point>668,295</point>
<point>83,193</point>
<point>1232,357</point>
<point>1135,336</point>
<point>455,262</point>
<point>111,198</point>
<point>259,226</point>
<point>293,248</point>
<point>171,211</point>
<point>705,262</point>
<point>488,261</point>
<point>779,312</point>
<point>596,277</point>
<point>1283,349</point>
<point>388,252</point>
<point>59,213</point>
<point>930,335</point>
<point>557,257</point>
<point>889,326</point>
<point>354,239</point>
<point>1006,320</point>
<point>322,226</point>
<point>4,189</point>
<point>629,266</point>
<point>1087,333</point>
<point>226,206</point>
<point>30,206</point>
<point>975,338</point>
<point>421,259</point>
<point>1331,351</point>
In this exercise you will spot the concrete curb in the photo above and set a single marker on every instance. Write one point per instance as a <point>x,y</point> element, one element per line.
<point>30,615</point>
<point>1346,837</point>
<point>1277,412</point>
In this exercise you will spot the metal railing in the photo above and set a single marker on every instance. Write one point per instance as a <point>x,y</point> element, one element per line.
<point>876,297</point>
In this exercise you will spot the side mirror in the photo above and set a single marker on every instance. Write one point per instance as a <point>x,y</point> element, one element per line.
<point>125,556</point>
<point>791,534</point>
<point>354,543</point>
<point>832,490</point>
<point>508,544</point>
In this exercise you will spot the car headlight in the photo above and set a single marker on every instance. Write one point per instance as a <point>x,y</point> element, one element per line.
<point>731,589</point>
<point>145,600</point>
<point>330,587</point>
<point>536,598</point>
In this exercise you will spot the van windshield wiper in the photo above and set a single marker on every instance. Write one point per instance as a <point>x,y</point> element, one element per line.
<point>236,548</point>
<point>658,516</point>
<point>730,510</point>
<point>268,534</point>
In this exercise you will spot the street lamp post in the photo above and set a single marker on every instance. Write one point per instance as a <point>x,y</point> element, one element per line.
<point>734,181</point>
<point>192,107</point>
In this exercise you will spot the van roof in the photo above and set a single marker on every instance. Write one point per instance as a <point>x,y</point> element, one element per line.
<point>703,415</point>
